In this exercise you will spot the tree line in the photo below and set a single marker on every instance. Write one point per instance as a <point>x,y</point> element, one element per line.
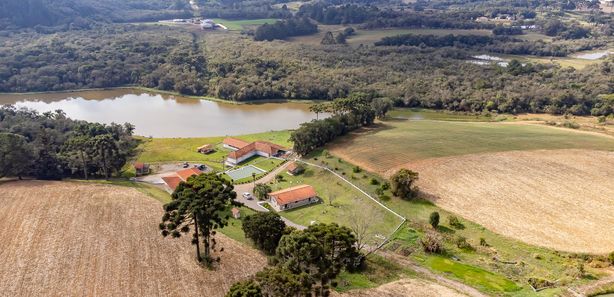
<point>53,146</point>
<point>304,263</point>
<point>284,29</point>
<point>435,41</point>
<point>348,114</point>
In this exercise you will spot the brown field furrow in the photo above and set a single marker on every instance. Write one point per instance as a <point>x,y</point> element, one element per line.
<point>73,239</point>
<point>562,199</point>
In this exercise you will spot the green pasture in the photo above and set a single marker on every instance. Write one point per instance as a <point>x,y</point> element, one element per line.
<point>162,150</point>
<point>398,141</point>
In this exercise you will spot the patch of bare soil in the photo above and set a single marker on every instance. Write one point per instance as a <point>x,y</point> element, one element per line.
<point>407,288</point>
<point>561,199</point>
<point>77,239</point>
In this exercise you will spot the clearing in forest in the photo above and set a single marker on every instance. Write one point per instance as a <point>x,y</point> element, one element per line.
<point>80,239</point>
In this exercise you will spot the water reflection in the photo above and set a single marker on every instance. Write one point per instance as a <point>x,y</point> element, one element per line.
<point>168,116</point>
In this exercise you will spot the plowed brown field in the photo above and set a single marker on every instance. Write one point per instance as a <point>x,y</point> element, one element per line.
<point>562,199</point>
<point>76,239</point>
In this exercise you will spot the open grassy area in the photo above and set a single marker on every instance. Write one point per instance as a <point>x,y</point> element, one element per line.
<point>238,25</point>
<point>485,262</point>
<point>379,271</point>
<point>160,150</point>
<point>371,36</point>
<point>397,141</point>
<point>340,204</point>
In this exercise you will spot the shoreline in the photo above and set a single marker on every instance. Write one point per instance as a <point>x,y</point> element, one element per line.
<point>163,92</point>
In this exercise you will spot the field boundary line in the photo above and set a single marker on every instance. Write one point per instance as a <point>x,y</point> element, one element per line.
<point>355,186</point>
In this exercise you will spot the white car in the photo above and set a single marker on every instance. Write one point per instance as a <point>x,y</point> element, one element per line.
<point>248,196</point>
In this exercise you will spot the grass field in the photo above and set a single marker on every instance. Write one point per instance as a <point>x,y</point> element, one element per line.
<point>371,36</point>
<point>397,142</point>
<point>348,204</point>
<point>238,25</point>
<point>160,150</point>
<point>69,239</point>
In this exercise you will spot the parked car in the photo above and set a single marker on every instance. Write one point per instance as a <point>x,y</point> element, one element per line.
<point>186,165</point>
<point>202,167</point>
<point>248,196</point>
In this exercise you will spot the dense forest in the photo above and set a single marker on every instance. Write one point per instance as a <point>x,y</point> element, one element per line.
<point>428,70</point>
<point>67,14</point>
<point>52,146</point>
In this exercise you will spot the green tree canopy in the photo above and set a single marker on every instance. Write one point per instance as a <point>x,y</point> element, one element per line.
<point>202,203</point>
<point>245,289</point>
<point>15,155</point>
<point>261,191</point>
<point>402,182</point>
<point>265,230</point>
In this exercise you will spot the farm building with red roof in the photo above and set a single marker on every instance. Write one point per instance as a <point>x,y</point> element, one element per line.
<point>293,197</point>
<point>242,150</point>
<point>172,181</point>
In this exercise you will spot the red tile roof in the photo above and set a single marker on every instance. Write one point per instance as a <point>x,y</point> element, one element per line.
<point>139,165</point>
<point>263,146</point>
<point>172,181</point>
<point>235,142</point>
<point>186,173</point>
<point>292,166</point>
<point>293,194</point>
<point>235,211</point>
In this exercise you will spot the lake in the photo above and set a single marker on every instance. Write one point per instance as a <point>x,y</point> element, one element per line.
<point>166,115</point>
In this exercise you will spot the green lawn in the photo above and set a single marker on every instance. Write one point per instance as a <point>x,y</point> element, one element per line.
<point>238,25</point>
<point>472,275</point>
<point>378,272</point>
<point>160,150</point>
<point>395,142</point>
<point>347,203</point>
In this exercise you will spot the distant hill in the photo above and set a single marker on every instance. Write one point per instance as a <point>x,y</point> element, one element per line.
<point>31,13</point>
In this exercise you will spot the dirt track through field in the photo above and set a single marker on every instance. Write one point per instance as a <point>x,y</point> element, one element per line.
<point>562,199</point>
<point>76,239</point>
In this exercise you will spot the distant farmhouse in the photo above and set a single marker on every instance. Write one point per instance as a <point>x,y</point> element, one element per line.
<point>141,168</point>
<point>172,181</point>
<point>293,197</point>
<point>242,150</point>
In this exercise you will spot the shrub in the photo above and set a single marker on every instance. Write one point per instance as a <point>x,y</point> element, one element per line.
<point>571,125</point>
<point>539,283</point>
<point>434,219</point>
<point>455,222</point>
<point>611,258</point>
<point>379,191</point>
<point>462,243</point>
<point>402,184</point>
<point>432,243</point>
<point>483,242</point>
<point>386,186</point>
<point>374,182</point>
<point>356,169</point>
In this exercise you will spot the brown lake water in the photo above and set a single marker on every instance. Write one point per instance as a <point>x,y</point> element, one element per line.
<point>166,115</point>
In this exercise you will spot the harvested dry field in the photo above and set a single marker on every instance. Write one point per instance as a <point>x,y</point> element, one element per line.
<point>405,287</point>
<point>77,239</point>
<point>562,199</point>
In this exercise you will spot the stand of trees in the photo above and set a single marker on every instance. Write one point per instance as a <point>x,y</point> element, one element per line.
<point>305,263</point>
<point>200,204</point>
<point>284,29</point>
<point>52,146</point>
<point>435,41</point>
<point>348,114</point>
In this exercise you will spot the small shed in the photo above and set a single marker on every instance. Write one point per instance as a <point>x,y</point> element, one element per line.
<point>236,213</point>
<point>294,169</point>
<point>141,168</point>
<point>206,149</point>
